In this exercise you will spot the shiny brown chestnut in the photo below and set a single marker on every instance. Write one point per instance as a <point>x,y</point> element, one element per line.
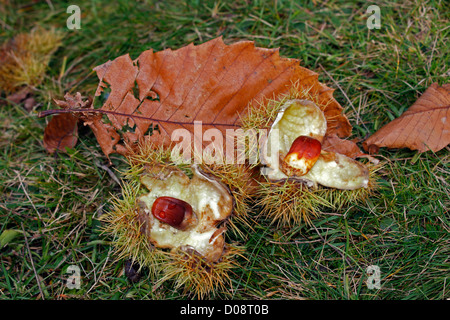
<point>175,212</point>
<point>302,156</point>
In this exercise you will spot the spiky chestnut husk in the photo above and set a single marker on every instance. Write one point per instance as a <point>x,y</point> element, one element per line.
<point>25,58</point>
<point>291,202</point>
<point>198,276</point>
<point>261,115</point>
<point>184,268</point>
<point>238,178</point>
<point>122,223</point>
<point>209,200</point>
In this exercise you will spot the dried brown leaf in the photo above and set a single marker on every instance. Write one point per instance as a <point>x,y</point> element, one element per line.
<point>424,126</point>
<point>61,132</point>
<point>62,129</point>
<point>335,144</point>
<point>213,83</point>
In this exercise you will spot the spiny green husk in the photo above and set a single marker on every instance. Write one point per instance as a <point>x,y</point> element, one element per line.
<point>199,277</point>
<point>238,178</point>
<point>122,223</point>
<point>185,268</point>
<point>261,115</point>
<point>292,202</point>
<point>284,203</point>
<point>24,59</point>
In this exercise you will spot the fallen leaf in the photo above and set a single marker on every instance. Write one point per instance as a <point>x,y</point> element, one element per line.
<point>23,97</point>
<point>29,103</point>
<point>424,126</point>
<point>19,96</point>
<point>349,148</point>
<point>62,129</point>
<point>159,92</point>
<point>61,132</point>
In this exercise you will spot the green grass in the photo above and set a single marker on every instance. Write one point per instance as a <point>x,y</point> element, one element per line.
<point>377,75</point>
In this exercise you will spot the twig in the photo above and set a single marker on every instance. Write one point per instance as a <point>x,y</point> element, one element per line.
<point>111,174</point>
<point>46,113</point>
<point>50,4</point>
<point>325,242</point>
<point>32,262</point>
<point>101,271</point>
<point>26,193</point>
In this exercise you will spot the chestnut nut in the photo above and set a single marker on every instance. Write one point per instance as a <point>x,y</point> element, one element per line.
<point>302,156</point>
<point>175,212</point>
